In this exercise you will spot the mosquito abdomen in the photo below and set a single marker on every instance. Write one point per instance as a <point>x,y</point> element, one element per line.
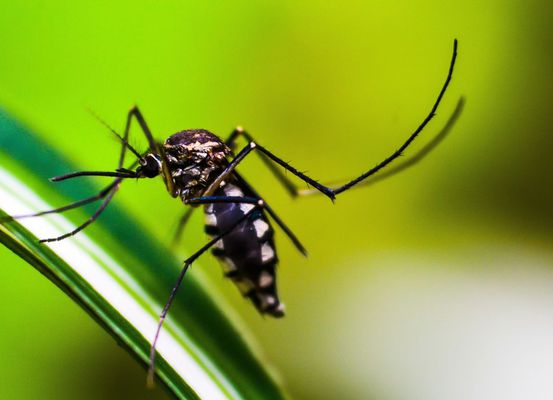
<point>248,252</point>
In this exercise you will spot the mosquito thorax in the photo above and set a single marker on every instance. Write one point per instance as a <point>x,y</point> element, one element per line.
<point>194,158</point>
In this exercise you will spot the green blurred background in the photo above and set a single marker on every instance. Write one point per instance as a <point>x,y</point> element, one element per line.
<point>436,284</point>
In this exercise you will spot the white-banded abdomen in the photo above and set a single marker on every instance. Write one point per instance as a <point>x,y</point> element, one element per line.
<point>248,252</point>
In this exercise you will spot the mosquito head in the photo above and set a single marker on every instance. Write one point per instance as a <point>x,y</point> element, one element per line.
<point>150,166</point>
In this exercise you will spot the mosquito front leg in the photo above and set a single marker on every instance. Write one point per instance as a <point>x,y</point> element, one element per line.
<point>68,207</point>
<point>93,218</point>
<point>120,173</point>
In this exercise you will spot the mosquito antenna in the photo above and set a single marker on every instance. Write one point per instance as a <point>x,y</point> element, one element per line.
<point>125,143</point>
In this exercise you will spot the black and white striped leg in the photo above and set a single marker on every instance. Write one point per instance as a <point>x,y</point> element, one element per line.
<point>258,205</point>
<point>333,192</point>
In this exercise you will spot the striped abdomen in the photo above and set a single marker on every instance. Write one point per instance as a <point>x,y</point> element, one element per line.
<point>248,252</point>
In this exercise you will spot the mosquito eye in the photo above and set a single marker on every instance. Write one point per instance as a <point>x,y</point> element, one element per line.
<point>151,167</point>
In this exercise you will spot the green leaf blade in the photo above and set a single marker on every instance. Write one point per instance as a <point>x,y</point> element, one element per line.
<point>202,354</point>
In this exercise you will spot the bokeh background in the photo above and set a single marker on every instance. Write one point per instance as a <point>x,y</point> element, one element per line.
<point>436,284</point>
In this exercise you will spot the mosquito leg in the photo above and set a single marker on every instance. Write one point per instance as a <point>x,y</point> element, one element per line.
<point>279,175</point>
<point>258,205</point>
<point>94,216</point>
<point>116,174</point>
<point>110,191</point>
<point>106,193</point>
<point>421,154</point>
<point>78,203</point>
<point>206,200</point>
<point>71,206</point>
<point>273,215</point>
<point>254,146</point>
<point>251,200</point>
<point>411,138</point>
<point>124,139</point>
<point>154,146</point>
<point>229,169</point>
<point>120,174</point>
<point>269,210</point>
<point>224,199</point>
<point>329,192</point>
<point>135,112</point>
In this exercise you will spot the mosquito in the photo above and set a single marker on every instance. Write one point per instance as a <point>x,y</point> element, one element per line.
<point>199,168</point>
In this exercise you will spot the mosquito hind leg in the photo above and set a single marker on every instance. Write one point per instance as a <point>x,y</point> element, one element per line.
<point>278,174</point>
<point>187,263</point>
<point>409,162</point>
<point>328,191</point>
